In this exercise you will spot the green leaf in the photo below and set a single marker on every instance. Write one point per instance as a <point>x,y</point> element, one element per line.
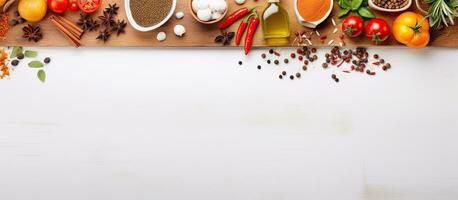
<point>366,12</point>
<point>41,75</point>
<point>355,4</point>
<point>15,52</point>
<point>30,54</point>
<point>344,4</point>
<point>343,12</point>
<point>365,3</point>
<point>36,64</point>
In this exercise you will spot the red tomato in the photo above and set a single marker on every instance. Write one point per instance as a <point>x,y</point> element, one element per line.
<point>377,30</point>
<point>73,6</point>
<point>58,6</point>
<point>89,6</point>
<point>353,26</point>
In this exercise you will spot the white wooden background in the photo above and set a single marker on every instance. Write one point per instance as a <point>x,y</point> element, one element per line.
<point>169,124</point>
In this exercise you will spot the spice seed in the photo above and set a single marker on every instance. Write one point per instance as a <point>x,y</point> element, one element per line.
<point>240,63</point>
<point>304,68</point>
<point>47,60</point>
<point>259,66</point>
<point>280,76</point>
<point>276,62</point>
<point>298,75</point>
<point>20,56</point>
<point>291,77</point>
<point>268,61</point>
<point>283,73</point>
<point>15,62</point>
<point>271,51</point>
<point>263,56</point>
<point>286,61</point>
<point>324,65</point>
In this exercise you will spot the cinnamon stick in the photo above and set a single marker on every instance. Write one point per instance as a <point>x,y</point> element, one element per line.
<point>73,26</point>
<point>70,36</point>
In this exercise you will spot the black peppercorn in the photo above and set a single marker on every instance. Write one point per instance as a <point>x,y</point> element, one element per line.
<point>304,68</point>
<point>276,62</point>
<point>15,62</point>
<point>259,66</point>
<point>263,55</point>
<point>240,63</point>
<point>298,75</point>
<point>280,76</point>
<point>291,77</point>
<point>283,73</point>
<point>268,61</point>
<point>286,61</point>
<point>47,60</point>
<point>324,65</point>
<point>271,51</point>
<point>20,56</point>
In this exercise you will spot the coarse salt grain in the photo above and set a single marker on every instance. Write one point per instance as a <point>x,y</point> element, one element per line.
<point>340,44</point>
<point>335,30</point>
<point>317,33</point>
<point>330,42</point>
<point>333,22</point>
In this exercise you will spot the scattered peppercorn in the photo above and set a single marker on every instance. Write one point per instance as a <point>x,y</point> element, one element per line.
<point>304,68</point>
<point>293,55</point>
<point>313,50</point>
<point>15,62</point>
<point>20,56</point>
<point>283,73</point>
<point>259,66</point>
<point>268,61</point>
<point>286,61</point>
<point>376,56</point>
<point>240,63</point>
<point>324,65</point>
<point>271,51</point>
<point>47,60</point>
<point>276,62</point>
<point>263,56</point>
<point>298,75</point>
<point>291,77</point>
<point>280,76</point>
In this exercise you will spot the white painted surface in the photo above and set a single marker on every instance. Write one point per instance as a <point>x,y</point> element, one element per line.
<point>190,124</point>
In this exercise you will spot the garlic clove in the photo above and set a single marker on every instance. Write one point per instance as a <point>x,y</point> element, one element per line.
<point>179,30</point>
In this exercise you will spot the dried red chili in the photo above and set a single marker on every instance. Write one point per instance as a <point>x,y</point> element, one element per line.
<point>241,29</point>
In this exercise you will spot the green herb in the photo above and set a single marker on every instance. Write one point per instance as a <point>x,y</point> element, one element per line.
<point>15,52</point>
<point>358,6</point>
<point>41,74</point>
<point>366,13</point>
<point>30,54</point>
<point>36,64</point>
<point>442,12</point>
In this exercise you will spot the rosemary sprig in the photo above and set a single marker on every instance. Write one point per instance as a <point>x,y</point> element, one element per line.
<point>442,12</point>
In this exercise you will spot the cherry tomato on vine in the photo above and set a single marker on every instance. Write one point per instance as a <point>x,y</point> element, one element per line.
<point>58,6</point>
<point>353,26</point>
<point>73,6</point>
<point>377,30</point>
<point>89,6</point>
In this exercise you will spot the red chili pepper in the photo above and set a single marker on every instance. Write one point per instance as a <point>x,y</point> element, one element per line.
<point>234,17</point>
<point>241,30</point>
<point>252,26</point>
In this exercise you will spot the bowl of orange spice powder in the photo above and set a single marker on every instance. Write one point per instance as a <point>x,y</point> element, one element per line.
<point>311,13</point>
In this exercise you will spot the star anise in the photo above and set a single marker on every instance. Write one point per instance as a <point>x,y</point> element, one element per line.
<point>104,35</point>
<point>32,33</point>
<point>107,20</point>
<point>225,37</point>
<point>112,9</point>
<point>87,23</point>
<point>119,27</point>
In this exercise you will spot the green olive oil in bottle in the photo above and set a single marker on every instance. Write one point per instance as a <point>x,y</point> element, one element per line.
<point>275,24</point>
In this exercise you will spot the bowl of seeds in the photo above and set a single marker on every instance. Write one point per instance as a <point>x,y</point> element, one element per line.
<point>390,5</point>
<point>147,15</point>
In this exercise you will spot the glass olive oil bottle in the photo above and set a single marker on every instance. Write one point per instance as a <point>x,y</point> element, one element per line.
<point>275,24</point>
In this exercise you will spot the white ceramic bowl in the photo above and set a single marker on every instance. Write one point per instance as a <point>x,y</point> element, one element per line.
<point>314,23</point>
<point>134,24</point>
<point>375,7</point>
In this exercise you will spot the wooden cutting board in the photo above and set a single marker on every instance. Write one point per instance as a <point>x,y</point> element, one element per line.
<point>199,35</point>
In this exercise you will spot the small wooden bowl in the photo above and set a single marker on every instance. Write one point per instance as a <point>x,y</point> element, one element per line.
<point>194,15</point>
